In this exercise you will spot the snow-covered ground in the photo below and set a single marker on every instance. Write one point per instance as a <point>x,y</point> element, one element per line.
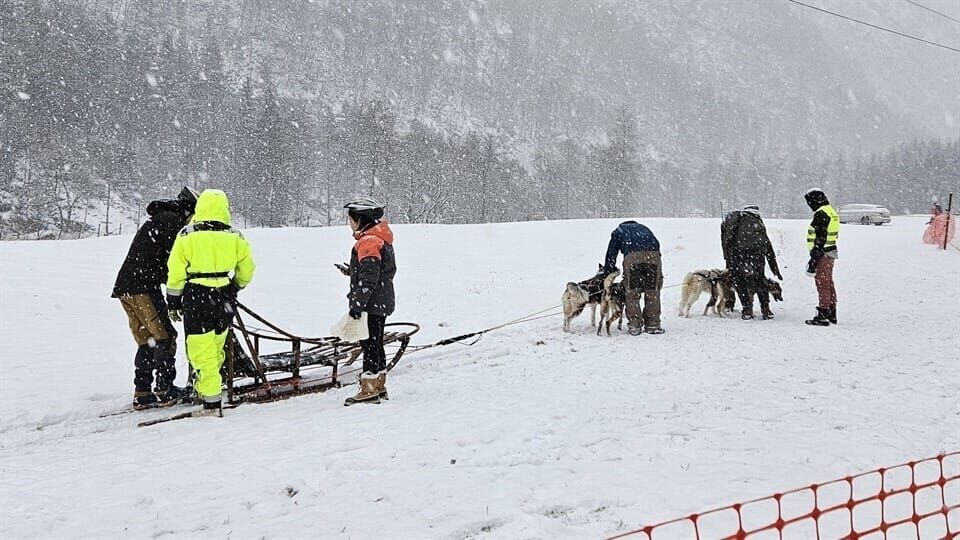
<point>531,433</point>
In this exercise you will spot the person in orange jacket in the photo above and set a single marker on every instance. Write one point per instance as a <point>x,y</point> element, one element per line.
<point>372,268</point>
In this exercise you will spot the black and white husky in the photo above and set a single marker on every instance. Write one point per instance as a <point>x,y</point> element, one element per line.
<point>578,296</point>
<point>612,302</point>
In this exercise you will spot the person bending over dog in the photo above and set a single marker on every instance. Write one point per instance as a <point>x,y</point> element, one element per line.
<point>642,275</point>
<point>746,247</point>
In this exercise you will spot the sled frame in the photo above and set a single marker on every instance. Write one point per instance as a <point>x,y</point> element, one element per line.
<point>309,365</point>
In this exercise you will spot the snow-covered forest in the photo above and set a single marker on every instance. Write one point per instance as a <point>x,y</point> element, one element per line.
<point>466,111</point>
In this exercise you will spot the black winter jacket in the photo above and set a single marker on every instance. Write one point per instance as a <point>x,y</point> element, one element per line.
<point>145,268</point>
<point>373,265</point>
<point>743,236</point>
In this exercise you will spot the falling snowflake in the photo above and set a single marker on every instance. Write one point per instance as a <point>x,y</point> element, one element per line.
<point>152,80</point>
<point>23,95</point>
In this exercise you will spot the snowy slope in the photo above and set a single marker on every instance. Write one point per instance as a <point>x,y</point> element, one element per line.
<point>577,437</point>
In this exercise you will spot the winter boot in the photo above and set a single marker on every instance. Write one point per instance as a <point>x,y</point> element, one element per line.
<point>635,330</point>
<point>832,314</point>
<point>369,391</point>
<point>382,384</point>
<point>765,313</point>
<point>212,408</point>
<point>144,399</point>
<point>746,313</point>
<point>654,330</point>
<point>821,319</point>
<point>174,395</point>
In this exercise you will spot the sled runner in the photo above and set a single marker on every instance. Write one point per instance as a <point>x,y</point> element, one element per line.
<point>302,365</point>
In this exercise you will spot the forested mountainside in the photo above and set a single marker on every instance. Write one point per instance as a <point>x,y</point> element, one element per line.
<point>461,111</point>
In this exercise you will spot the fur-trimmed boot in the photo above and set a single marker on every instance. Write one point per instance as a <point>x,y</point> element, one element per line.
<point>369,391</point>
<point>382,385</point>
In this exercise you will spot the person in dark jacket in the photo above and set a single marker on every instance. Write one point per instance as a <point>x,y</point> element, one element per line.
<point>822,236</point>
<point>642,274</point>
<point>372,268</point>
<point>746,249</point>
<point>138,289</point>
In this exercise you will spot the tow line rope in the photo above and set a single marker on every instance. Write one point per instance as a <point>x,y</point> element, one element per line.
<point>542,314</point>
<point>478,335</point>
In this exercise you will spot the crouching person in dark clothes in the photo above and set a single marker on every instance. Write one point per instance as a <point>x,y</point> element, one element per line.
<point>642,274</point>
<point>200,287</point>
<point>138,289</point>
<point>372,268</point>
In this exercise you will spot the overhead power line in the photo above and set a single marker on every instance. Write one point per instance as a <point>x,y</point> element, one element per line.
<point>858,21</point>
<point>932,10</point>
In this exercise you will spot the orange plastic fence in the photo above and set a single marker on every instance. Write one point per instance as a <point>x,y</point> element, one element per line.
<point>919,499</point>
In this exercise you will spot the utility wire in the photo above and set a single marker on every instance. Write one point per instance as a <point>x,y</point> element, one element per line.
<point>935,44</point>
<point>932,10</point>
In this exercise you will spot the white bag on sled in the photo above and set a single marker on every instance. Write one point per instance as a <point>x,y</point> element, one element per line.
<point>350,329</point>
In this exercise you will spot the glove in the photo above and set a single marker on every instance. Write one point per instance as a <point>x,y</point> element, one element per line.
<point>354,314</point>
<point>812,268</point>
<point>232,289</point>
<point>174,307</point>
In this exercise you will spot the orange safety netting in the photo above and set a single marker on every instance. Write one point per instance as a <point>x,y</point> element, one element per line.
<point>919,499</point>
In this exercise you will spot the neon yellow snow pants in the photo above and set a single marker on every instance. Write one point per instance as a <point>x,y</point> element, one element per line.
<point>205,352</point>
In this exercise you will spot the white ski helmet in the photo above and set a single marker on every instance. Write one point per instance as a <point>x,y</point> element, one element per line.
<point>365,206</point>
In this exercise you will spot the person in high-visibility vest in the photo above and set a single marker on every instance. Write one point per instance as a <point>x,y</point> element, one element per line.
<point>822,244</point>
<point>200,286</point>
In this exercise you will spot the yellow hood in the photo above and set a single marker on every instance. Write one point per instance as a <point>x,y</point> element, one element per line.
<point>212,206</point>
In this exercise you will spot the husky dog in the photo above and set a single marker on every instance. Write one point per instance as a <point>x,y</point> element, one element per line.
<point>699,282</point>
<point>611,302</point>
<point>775,289</point>
<point>577,296</point>
<point>726,293</point>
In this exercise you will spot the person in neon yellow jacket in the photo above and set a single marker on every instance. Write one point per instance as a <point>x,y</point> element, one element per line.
<point>209,263</point>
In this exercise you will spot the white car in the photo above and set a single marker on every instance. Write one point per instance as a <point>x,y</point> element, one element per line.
<point>864,214</point>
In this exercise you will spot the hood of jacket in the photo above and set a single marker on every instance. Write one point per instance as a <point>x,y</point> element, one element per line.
<point>212,205</point>
<point>815,199</point>
<point>165,205</point>
<point>381,230</point>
